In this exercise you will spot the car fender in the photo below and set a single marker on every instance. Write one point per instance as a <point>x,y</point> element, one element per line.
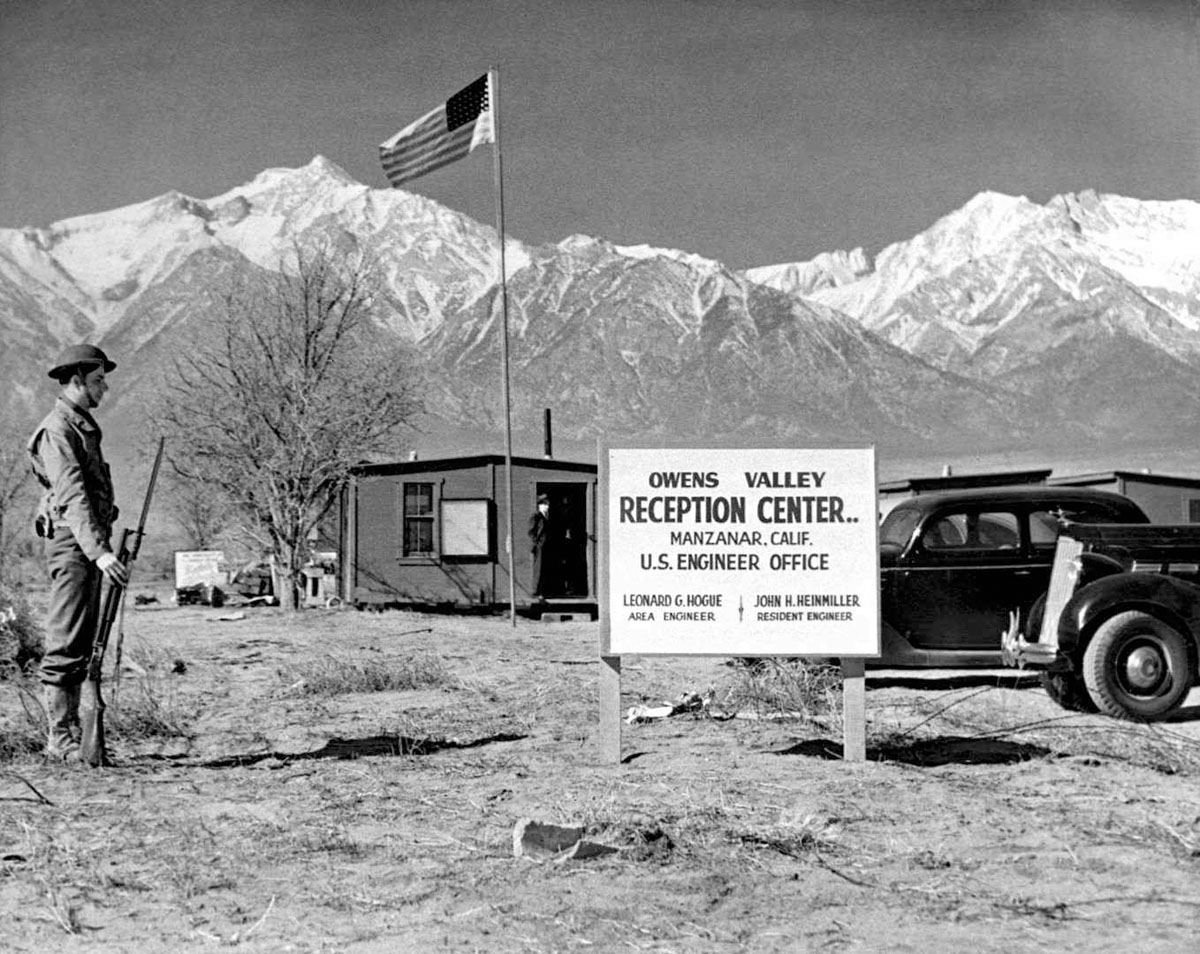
<point>1169,598</point>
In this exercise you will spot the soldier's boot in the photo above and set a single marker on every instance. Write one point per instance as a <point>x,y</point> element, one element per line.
<point>62,711</point>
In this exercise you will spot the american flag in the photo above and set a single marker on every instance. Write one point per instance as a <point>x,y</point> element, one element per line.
<point>442,135</point>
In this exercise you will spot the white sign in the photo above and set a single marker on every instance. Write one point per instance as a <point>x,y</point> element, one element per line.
<point>743,552</point>
<point>198,566</point>
<point>465,528</point>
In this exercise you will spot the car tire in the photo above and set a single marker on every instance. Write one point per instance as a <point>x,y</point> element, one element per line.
<point>1068,690</point>
<point>1136,667</point>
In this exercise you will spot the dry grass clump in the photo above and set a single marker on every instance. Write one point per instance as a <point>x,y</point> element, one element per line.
<point>147,710</point>
<point>330,675</point>
<point>782,688</point>
<point>23,731</point>
<point>22,723</point>
<point>148,705</point>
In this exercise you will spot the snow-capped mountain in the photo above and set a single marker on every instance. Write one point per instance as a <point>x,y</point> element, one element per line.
<point>1088,305</point>
<point>990,287</point>
<point>660,346</point>
<point>999,325</point>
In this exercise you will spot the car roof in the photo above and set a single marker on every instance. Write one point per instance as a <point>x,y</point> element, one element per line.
<point>1018,494</point>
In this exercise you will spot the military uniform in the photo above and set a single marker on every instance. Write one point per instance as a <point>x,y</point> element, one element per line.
<point>75,518</point>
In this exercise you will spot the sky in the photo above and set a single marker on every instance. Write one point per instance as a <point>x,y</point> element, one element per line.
<point>749,131</point>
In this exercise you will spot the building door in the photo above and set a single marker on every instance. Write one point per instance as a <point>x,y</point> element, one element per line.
<point>563,566</point>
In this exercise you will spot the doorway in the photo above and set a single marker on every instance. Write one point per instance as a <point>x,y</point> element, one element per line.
<point>562,571</point>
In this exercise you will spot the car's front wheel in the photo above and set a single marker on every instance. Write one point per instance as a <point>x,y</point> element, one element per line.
<point>1068,690</point>
<point>1136,667</point>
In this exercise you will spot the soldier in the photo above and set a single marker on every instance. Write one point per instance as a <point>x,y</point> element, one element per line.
<point>75,518</point>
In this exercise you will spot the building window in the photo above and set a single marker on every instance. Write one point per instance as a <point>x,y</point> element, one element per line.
<point>1193,509</point>
<point>418,519</point>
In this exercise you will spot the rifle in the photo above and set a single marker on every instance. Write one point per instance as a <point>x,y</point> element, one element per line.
<point>91,709</point>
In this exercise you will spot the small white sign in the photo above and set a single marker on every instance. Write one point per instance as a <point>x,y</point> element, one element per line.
<point>198,566</point>
<point>465,528</point>
<point>743,552</point>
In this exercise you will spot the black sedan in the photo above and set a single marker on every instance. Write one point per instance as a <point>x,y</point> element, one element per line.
<point>955,564</point>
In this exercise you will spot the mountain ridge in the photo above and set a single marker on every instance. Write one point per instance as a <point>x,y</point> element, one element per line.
<point>953,338</point>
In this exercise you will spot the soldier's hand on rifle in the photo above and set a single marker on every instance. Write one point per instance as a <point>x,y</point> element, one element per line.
<point>113,568</point>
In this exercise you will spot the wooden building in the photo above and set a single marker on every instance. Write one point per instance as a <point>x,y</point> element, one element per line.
<point>1165,499</point>
<point>432,533</point>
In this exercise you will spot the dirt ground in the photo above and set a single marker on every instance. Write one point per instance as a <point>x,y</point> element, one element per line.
<point>985,818</point>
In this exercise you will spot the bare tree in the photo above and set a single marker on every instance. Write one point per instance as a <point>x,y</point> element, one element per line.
<point>17,490</point>
<point>200,510</point>
<point>289,388</point>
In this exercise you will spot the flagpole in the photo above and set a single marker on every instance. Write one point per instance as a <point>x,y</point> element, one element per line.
<point>497,165</point>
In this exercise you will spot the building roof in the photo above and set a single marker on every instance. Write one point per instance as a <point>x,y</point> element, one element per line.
<point>423,466</point>
<point>1018,494</point>
<point>1123,476</point>
<point>920,485</point>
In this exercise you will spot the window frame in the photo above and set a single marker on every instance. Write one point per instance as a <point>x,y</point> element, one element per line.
<point>970,518</point>
<point>429,518</point>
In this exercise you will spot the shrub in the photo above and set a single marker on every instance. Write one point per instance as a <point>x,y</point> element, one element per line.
<point>797,688</point>
<point>21,642</point>
<point>22,726</point>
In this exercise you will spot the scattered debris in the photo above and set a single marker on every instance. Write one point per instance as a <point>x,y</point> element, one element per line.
<point>204,594</point>
<point>652,844</point>
<point>231,617</point>
<point>686,702</point>
<point>539,841</point>
<point>178,667</point>
<point>142,599</point>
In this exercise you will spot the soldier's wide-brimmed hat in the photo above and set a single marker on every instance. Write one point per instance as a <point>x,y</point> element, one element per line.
<point>74,355</point>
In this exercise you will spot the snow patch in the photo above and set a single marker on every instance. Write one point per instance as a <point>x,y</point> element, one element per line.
<point>687,258</point>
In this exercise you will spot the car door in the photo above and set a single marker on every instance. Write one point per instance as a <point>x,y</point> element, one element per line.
<point>968,567</point>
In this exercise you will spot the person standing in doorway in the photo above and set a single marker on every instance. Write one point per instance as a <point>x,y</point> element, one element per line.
<point>75,520</point>
<point>541,539</point>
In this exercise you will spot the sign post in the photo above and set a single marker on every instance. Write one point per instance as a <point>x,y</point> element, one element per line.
<point>739,552</point>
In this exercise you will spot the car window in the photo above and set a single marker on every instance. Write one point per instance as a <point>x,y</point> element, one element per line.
<point>947,532</point>
<point>1044,526</point>
<point>996,531</point>
<point>968,531</point>
<point>898,526</point>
